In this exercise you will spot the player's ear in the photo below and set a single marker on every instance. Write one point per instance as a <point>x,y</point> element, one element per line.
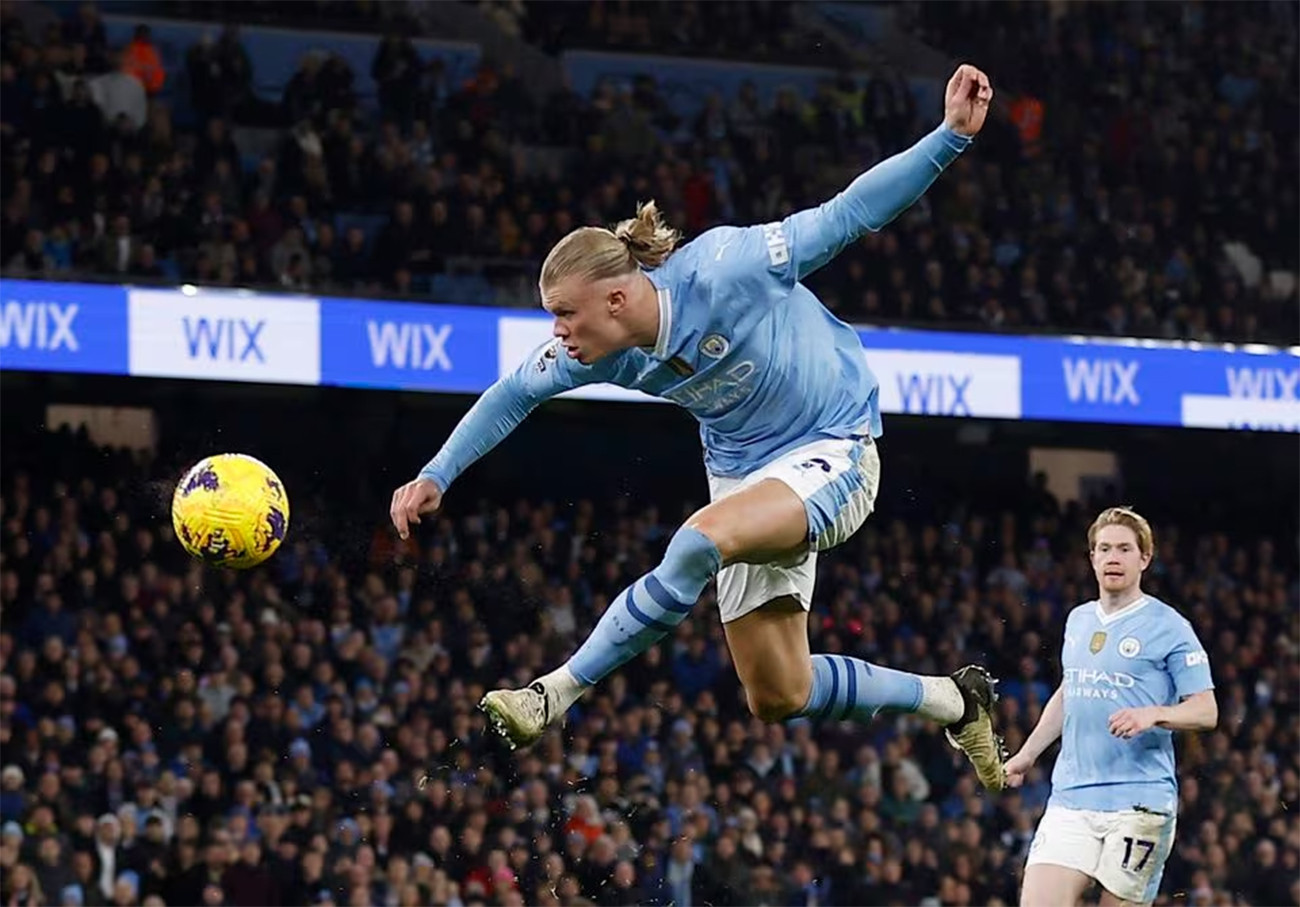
<point>615,299</point>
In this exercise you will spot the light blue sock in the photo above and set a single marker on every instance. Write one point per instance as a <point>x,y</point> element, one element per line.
<point>847,688</point>
<point>650,608</point>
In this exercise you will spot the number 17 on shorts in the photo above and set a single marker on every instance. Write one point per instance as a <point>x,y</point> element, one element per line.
<point>1125,851</point>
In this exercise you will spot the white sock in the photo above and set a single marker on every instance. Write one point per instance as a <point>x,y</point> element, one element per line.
<point>562,688</point>
<point>941,701</point>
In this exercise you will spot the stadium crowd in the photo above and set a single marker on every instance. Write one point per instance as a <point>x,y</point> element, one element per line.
<point>307,734</point>
<point>760,31</point>
<point>1130,206</point>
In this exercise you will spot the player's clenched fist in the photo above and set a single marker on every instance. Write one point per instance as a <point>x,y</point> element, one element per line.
<point>966,100</point>
<point>1017,769</point>
<point>416,498</point>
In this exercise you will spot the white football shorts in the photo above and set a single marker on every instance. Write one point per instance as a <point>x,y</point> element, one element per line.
<point>1124,851</point>
<point>837,481</point>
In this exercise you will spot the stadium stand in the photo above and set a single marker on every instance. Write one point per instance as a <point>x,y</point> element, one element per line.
<point>306,733</point>
<point>748,31</point>
<point>355,164</point>
<point>265,739</point>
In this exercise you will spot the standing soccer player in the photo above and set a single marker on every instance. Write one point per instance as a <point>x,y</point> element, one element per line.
<point>1134,672</point>
<point>788,413</point>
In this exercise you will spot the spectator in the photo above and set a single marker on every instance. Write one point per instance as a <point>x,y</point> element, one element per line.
<point>119,250</point>
<point>206,74</point>
<point>350,264</point>
<point>290,254</point>
<point>396,70</point>
<point>249,883</point>
<point>140,59</point>
<point>119,93</point>
<point>82,124</point>
<point>108,855</point>
<point>221,77</point>
<point>214,147</point>
<point>323,251</point>
<point>33,260</point>
<point>87,31</point>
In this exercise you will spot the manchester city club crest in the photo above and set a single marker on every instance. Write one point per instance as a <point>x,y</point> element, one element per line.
<point>1129,647</point>
<point>1098,642</point>
<point>714,346</point>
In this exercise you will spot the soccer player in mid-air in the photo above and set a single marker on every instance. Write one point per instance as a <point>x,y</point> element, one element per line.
<point>1134,672</point>
<point>789,413</point>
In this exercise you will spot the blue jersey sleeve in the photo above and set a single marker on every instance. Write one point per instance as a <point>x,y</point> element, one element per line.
<point>806,240</point>
<point>547,371</point>
<point>1187,662</point>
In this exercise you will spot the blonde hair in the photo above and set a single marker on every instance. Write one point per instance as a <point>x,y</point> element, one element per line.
<point>595,253</point>
<point>1124,516</point>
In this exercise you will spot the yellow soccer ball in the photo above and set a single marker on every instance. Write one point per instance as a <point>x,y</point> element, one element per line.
<point>230,510</point>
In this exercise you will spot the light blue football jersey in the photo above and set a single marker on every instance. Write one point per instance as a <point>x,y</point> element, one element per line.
<point>743,345</point>
<point>1145,655</point>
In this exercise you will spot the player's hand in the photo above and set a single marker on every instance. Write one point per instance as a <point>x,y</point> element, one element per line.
<point>1017,769</point>
<point>419,497</point>
<point>966,100</point>
<point>1128,723</point>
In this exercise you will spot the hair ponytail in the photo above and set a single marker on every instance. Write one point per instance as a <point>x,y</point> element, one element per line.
<point>594,253</point>
<point>647,237</point>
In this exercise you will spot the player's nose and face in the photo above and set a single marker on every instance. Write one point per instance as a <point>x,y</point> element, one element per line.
<point>1117,559</point>
<point>584,322</point>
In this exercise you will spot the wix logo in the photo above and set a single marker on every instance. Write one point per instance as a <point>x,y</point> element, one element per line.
<point>228,339</point>
<point>1263,383</point>
<point>46,326</point>
<point>222,335</point>
<point>1109,381</point>
<point>935,394</point>
<point>418,346</point>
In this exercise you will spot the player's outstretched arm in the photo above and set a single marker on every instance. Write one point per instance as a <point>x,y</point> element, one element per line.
<point>493,416</point>
<point>875,198</point>
<point>1197,712</point>
<point>1045,733</point>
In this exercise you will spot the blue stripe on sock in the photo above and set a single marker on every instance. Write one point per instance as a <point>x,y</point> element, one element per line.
<point>813,707</point>
<point>920,694</point>
<point>663,598</point>
<point>641,616</point>
<point>835,690</point>
<point>853,688</point>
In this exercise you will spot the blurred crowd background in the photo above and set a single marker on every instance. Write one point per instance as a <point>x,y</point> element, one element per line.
<point>306,733</point>
<point>1138,177</point>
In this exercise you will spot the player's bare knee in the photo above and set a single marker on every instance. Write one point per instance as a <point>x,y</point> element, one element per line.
<point>713,526</point>
<point>1046,883</point>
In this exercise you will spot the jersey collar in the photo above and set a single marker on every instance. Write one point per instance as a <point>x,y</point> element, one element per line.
<point>665,322</point>
<point>1108,619</point>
